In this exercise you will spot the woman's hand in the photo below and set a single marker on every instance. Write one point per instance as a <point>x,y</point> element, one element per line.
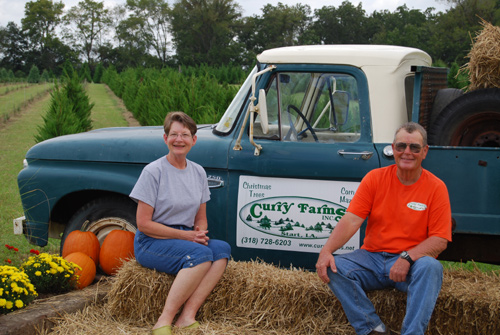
<point>200,236</point>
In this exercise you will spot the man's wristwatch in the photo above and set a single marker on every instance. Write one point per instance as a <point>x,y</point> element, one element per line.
<point>405,255</point>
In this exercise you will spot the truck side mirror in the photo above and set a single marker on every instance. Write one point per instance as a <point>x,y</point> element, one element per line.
<point>262,108</point>
<point>340,111</point>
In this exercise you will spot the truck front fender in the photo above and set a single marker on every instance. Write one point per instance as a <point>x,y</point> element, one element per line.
<point>52,191</point>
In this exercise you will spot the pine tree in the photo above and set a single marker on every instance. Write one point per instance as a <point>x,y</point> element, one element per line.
<point>34,75</point>
<point>69,111</point>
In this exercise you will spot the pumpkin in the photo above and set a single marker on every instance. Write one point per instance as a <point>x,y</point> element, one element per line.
<point>87,274</point>
<point>116,247</point>
<point>82,241</point>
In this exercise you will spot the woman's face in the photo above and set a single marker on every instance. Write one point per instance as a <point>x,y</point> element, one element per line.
<point>179,140</point>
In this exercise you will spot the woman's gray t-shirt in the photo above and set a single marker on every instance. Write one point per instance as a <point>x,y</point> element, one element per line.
<point>175,195</point>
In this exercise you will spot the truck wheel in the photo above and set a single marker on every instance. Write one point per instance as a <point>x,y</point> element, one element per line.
<point>442,99</point>
<point>472,119</point>
<point>101,216</point>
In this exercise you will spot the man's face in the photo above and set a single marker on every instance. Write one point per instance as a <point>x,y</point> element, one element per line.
<point>409,159</point>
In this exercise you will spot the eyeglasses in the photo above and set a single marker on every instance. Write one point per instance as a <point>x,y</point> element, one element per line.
<point>182,136</point>
<point>414,147</point>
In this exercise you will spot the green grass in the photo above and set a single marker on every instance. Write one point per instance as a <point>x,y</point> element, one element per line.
<point>104,113</point>
<point>472,266</point>
<point>14,101</point>
<point>6,88</point>
<point>16,137</point>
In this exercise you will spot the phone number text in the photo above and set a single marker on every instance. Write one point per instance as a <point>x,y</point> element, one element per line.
<point>265,241</point>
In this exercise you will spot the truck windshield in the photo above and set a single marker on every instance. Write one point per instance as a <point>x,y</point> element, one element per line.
<point>226,123</point>
<point>312,106</point>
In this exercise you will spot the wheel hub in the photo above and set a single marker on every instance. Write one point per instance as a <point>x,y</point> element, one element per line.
<point>102,227</point>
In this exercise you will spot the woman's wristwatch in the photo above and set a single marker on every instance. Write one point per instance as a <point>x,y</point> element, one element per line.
<point>405,255</point>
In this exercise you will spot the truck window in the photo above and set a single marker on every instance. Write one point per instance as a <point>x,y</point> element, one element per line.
<point>312,107</point>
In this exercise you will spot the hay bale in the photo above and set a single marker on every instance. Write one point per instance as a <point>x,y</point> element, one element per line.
<point>258,298</point>
<point>138,292</point>
<point>484,58</point>
<point>274,298</point>
<point>469,303</point>
<point>260,295</point>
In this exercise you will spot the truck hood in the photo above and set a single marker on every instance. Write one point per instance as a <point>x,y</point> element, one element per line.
<point>134,145</point>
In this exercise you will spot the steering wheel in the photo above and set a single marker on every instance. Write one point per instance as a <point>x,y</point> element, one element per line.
<point>292,127</point>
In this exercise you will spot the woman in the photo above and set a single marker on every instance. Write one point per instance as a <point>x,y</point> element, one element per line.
<point>172,234</point>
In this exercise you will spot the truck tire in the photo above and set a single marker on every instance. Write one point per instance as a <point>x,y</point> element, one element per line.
<point>442,99</point>
<point>102,215</point>
<point>473,119</point>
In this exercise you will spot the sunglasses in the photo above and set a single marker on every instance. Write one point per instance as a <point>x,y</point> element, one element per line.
<point>414,147</point>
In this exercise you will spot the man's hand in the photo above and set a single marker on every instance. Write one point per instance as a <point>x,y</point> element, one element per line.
<point>325,261</point>
<point>399,270</point>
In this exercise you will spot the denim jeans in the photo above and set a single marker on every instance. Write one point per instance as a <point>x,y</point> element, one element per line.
<point>172,255</point>
<point>362,271</point>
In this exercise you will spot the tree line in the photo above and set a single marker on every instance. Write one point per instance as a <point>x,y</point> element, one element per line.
<point>158,34</point>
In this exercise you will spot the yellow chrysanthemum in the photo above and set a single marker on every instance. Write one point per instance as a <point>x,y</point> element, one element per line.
<point>3,302</point>
<point>9,305</point>
<point>19,303</point>
<point>38,273</point>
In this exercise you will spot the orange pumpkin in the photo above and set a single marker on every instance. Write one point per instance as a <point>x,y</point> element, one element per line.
<point>87,274</point>
<point>82,241</point>
<point>116,247</point>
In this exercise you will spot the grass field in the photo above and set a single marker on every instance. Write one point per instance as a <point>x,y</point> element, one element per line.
<point>15,100</point>
<point>7,88</point>
<point>16,137</point>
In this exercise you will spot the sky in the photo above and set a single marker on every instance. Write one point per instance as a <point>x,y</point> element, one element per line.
<point>13,10</point>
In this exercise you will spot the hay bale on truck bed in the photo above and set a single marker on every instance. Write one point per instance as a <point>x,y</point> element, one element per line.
<point>484,63</point>
<point>258,298</point>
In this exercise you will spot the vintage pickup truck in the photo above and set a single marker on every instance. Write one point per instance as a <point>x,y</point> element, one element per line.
<point>287,156</point>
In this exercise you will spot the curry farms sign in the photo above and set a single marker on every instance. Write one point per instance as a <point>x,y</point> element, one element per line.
<point>291,214</point>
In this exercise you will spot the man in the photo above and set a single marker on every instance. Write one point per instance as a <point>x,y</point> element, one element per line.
<point>409,225</point>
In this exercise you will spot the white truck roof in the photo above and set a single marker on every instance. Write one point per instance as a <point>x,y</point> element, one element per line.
<point>385,67</point>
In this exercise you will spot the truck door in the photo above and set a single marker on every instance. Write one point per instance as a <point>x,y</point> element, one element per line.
<point>285,201</point>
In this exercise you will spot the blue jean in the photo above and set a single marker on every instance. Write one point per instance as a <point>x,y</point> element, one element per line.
<point>172,255</point>
<point>362,271</point>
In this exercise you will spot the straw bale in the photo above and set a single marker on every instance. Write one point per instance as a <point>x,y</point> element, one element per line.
<point>274,298</point>
<point>263,295</point>
<point>469,303</point>
<point>138,292</point>
<point>259,298</point>
<point>484,58</point>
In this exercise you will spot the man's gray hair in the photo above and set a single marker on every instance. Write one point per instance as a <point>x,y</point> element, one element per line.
<point>410,127</point>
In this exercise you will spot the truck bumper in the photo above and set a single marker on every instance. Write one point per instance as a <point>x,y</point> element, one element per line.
<point>19,224</point>
<point>35,233</point>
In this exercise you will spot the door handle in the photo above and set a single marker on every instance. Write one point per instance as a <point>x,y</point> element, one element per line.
<point>365,155</point>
